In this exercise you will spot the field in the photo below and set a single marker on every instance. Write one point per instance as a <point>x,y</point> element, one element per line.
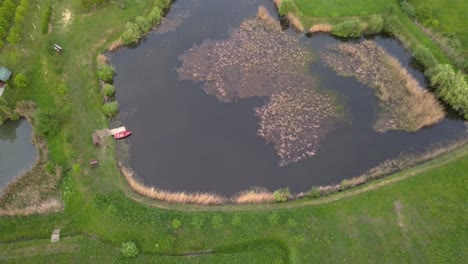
<point>415,216</point>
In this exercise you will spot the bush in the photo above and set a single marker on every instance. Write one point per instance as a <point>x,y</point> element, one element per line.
<point>314,192</point>
<point>282,195</point>
<point>424,57</point>
<point>20,81</point>
<point>390,23</point>
<point>129,249</point>
<point>108,90</point>
<point>48,123</point>
<point>350,28</point>
<point>106,73</point>
<point>110,109</point>
<point>451,87</point>
<point>154,16</point>
<point>131,34</point>
<point>15,35</point>
<point>408,9</point>
<point>6,112</point>
<point>143,25</point>
<point>176,223</point>
<point>46,20</point>
<point>375,24</point>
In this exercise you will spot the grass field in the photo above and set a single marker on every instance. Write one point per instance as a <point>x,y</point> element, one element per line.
<point>415,216</point>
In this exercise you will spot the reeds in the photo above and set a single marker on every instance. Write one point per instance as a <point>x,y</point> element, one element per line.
<point>295,22</point>
<point>171,197</point>
<point>265,16</point>
<point>255,196</point>
<point>51,205</point>
<point>320,28</point>
<point>116,45</point>
<point>102,59</point>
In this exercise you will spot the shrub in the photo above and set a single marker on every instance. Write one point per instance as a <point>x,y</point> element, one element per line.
<point>408,9</point>
<point>20,81</point>
<point>176,223</point>
<point>154,16</point>
<point>451,87</point>
<point>108,90</point>
<point>424,57</point>
<point>129,249</point>
<point>6,112</point>
<point>110,109</point>
<point>48,123</point>
<point>106,73</point>
<point>46,20</point>
<point>14,35</point>
<point>375,24</point>
<point>314,192</point>
<point>142,24</point>
<point>349,28</point>
<point>282,195</point>
<point>131,34</point>
<point>390,24</point>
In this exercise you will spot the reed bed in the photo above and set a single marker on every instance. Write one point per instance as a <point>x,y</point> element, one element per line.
<point>295,22</point>
<point>51,205</point>
<point>266,17</point>
<point>256,196</point>
<point>321,28</point>
<point>116,45</point>
<point>406,105</point>
<point>171,197</point>
<point>102,59</point>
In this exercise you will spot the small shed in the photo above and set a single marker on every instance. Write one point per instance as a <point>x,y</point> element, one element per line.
<point>96,139</point>
<point>5,75</point>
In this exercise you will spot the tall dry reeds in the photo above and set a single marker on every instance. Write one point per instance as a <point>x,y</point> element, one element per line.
<point>265,16</point>
<point>171,197</point>
<point>295,22</point>
<point>115,45</point>
<point>102,59</point>
<point>256,196</point>
<point>51,205</point>
<point>320,28</point>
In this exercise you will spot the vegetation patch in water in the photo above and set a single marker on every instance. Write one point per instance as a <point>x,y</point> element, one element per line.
<point>258,59</point>
<point>405,104</point>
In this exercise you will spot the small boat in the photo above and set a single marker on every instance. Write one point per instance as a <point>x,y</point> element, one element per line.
<point>123,134</point>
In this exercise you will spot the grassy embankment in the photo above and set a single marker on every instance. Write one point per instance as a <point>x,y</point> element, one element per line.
<point>419,219</point>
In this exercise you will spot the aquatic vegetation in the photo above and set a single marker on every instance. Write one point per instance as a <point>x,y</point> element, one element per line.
<point>405,104</point>
<point>260,60</point>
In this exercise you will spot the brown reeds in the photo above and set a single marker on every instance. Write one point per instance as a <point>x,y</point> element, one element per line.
<point>295,22</point>
<point>116,45</point>
<point>170,197</point>
<point>51,205</point>
<point>266,17</point>
<point>320,28</point>
<point>102,59</point>
<point>406,105</point>
<point>256,196</point>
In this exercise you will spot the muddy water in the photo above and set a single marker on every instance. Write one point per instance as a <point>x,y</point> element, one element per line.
<point>186,140</point>
<point>17,153</point>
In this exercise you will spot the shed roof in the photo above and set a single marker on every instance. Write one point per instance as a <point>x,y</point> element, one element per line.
<point>4,74</point>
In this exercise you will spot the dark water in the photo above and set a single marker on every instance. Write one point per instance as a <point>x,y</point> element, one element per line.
<point>186,140</point>
<point>17,153</point>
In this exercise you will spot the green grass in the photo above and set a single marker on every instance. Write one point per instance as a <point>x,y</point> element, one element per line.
<point>451,16</point>
<point>359,225</point>
<point>343,8</point>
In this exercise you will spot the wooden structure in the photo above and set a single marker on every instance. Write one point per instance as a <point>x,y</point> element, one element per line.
<point>96,139</point>
<point>94,163</point>
<point>5,75</point>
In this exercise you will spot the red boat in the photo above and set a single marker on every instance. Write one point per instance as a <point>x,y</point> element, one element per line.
<point>123,134</point>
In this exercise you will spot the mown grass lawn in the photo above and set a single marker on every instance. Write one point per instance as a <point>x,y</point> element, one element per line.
<point>420,219</point>
<point>343,8</point>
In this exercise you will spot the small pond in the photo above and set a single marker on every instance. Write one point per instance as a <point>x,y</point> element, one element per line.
<point>186,140</point>
<point>17,153</point>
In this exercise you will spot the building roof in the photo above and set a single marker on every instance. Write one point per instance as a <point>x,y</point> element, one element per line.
<point>4,74</point>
